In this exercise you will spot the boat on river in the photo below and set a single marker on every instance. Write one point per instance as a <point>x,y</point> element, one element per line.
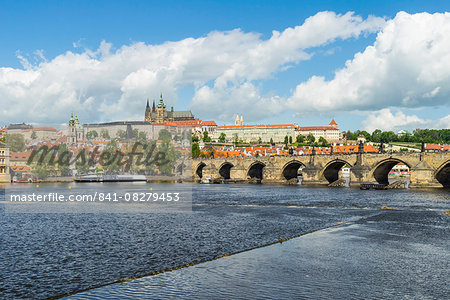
<point>373,186</point>
<point>110,178</point>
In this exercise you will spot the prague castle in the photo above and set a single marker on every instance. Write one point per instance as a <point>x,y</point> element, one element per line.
<point>159,114</point>
<point>156,118</point>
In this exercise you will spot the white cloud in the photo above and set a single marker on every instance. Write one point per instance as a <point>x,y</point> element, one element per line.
<point>108,85</point>
<point>407,66</point>
<point>385,120</point>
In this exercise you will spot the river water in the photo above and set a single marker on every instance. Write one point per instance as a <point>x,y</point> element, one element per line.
<point>51,254</point>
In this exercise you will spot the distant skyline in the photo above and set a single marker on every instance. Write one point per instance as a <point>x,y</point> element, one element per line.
<point>368,64</point>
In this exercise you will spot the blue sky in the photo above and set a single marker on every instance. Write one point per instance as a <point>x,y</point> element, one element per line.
<point>55,27</point>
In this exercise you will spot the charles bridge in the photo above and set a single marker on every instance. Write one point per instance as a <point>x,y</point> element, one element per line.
<point>426,169</point>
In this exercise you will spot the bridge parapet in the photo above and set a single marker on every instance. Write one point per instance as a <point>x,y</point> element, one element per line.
<point>427,169</point>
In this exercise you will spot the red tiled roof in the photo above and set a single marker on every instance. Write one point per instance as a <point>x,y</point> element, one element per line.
<point>20,156</point>
<point>209,123</point>
<point>333,122</point>
<point>45,128</point>
<point>316,128</point>
<point>255,126</point>
<point>20,168</point>
<point>433,147</point>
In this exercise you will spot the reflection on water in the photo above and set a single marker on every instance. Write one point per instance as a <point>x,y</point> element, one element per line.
<point>52,254</point>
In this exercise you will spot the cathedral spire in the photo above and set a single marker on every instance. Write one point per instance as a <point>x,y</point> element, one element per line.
<point>147,103</point>
<point>154,106</point>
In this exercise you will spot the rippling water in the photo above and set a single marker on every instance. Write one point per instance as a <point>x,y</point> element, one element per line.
<point>45,255</point>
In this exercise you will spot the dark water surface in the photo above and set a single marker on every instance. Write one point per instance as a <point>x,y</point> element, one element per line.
<point>45,255</point>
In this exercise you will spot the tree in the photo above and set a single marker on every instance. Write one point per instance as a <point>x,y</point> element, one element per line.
<point>40,171</point>
<point>135,133</point>
<point>286,140</point>
<point>300,138</point>
<point>170,156</point>
<point>164,135</point>
<point>271,141</point>
<point>110,159</point>
<point>63,160</point>
<point>235,138</point>
<point>91,135</point>
<point>376,135</point>
<point>310,138</point>
<point>323,142</point>
<point>105,134</point>
<point>195,139</point>
<point>82,168</point>
<point>259,140</point>
<point>16,142</point>
<point>142,136</point>
<point>121,134</point>
<point>222,137</point>
<point>290,139</point>
<point>206,138</point>
<point>195,150</point>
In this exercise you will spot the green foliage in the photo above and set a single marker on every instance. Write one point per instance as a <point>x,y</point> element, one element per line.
<point>195,139</point>
<point>195,150</point>
<point>142,136</point>
<point>63,167</point>
<point>290,140</point>
<point>430,136</point>
<point>222,137</point>
<point>300,138</point>
<point>170,157</point>
<point>206,137</point>
<point>105,134</point>
<point>92,135</point>
<point>135,133</point>
<point>323,142</point>
<point>15,141</point>
<point>310,138</point>
<point>271,141</point>
<point>235,138</point>
<point>112,164</point>
<point>259,140</point>
<point>82,168</point>
<point>164,135</point>
<point>286,140</point>
<point>40,171</point>
<point>121,134</point>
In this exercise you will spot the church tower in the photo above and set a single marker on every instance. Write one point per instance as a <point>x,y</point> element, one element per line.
<point>72,133</point>
<point>148,114</point>
<point>333,124</point>
<point>160,111</point>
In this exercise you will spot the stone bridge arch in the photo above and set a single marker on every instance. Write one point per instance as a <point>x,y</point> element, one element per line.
<point>255,170</point>
<point>331,170</point>
<point>442,174</point>
<point>225,170</point>
<point>199,169</point>
<point>290,169</point>
<point>380,171</point>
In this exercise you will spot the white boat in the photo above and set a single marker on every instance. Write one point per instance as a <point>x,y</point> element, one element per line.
<point>206,180</point>
<point>110,178</point>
